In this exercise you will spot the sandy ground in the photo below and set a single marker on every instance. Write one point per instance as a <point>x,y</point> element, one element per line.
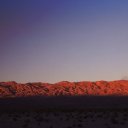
<point>65,119</point>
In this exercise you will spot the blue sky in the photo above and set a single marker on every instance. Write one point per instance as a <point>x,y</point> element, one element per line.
<point>55,40</point>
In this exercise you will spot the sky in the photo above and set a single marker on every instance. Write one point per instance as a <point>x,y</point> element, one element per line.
<point>63,40</point>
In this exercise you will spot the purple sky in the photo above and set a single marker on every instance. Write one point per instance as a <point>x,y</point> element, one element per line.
<point>55,40</point>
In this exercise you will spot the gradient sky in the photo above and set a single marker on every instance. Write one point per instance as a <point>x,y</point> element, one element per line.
<point>56,40</point>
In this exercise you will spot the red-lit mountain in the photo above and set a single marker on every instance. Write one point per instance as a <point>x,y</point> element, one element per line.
<point>13,89</point>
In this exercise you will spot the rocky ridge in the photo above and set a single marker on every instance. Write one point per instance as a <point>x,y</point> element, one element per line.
<point>103,88</point>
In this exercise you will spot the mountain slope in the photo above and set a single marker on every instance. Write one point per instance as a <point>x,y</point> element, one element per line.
<point>13,89</point>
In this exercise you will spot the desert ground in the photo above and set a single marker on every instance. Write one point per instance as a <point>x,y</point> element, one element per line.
<point>91,118</point>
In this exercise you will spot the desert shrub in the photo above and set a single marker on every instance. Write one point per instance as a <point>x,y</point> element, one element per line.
<point>15,119</point>
<point>27,120</point>
<point>69,127</point>
<point>99,116</point>
<point>27,115</point>
<point>39,118</point>
<point>114,121</point>
<point>25,125</point>
<point>80,125</point>
<point>122,123</point>
<point>56,114</point>
<point>51,126</point>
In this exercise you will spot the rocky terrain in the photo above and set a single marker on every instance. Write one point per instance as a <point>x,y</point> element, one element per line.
<point>64,104</point>
<point>64,88</point>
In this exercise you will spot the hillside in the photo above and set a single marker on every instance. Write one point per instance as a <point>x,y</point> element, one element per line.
<point>98,88</point>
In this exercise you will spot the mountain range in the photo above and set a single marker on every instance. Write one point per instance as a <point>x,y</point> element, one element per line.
<point>64,88</point>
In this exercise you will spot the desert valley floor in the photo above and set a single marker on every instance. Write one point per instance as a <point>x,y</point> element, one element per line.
<point>65,119</point>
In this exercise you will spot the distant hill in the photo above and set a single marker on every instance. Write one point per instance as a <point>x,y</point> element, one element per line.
<point>64,88</point>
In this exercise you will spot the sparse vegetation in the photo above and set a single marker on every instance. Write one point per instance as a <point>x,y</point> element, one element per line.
<point>70,119</point>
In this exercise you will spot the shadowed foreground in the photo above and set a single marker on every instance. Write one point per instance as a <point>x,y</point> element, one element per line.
<point>63,102</point>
